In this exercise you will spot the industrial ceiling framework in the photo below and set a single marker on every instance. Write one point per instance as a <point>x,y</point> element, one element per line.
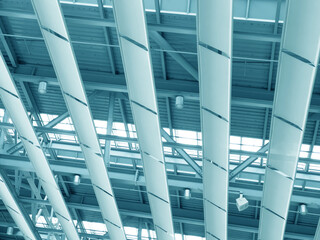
<point>298,64</point>
<point>131,26</point>
<point>21,218</point>
<point>155,53</point>
<point>13,104</point>
<point>214,59</point>
<point>57,39</point>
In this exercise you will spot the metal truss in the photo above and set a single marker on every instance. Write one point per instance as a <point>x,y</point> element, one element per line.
<point>151,26</point>
<point>241,96</point>
<point>299,56</point>
<point>57,39</point>
<point>17,212</point>
<point>135,52</point>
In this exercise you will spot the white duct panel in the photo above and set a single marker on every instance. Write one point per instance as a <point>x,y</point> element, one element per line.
<point>12,102</point>
<point>52,20</point>
<point>296,73</point>
<point>131,26</point>
<point>139,73</point>
<point>63,58</point>
<point>293,74</point>
<point>16,212</point>
<point>285,147</point>
<point>64,65</point>
<point>214,75</point>
<point>307,40</point>
<point>275,226</point>
<point>214,21</point>
<point>214,24</point>
<point>279,186</point>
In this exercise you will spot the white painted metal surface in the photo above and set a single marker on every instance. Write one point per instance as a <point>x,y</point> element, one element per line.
<point>135,51</point>
<point>297,68</point>
<point>20,217</point>
<point>57,39</point>
<point>214,26</point>
<point>13,104</point>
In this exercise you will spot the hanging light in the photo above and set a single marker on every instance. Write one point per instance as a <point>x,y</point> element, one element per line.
<point>242,203</point>
<point>187,193</point>
<point>42,89</point>
<point>9,230</point>
<point>76,179</point>
<point>179,102</point>
<point>303,209</point>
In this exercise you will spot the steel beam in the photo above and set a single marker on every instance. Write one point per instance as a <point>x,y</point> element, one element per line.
<point>107,146</point>
<point>151,27</point>
<point>299,57</point>
<point>246,163</point>
<point>13,103</point>
<point>8,47</point>
<point>176,56</point>
<point>214,60</point>
<point>183,154</point>
<point>55,33</point>
<point>135,52</point>
<point>107,38</point>
<point>241,96</point>
<point>50,124</point>
<point>192,217</point>
<point>128,176</point>
<point>17,212</point>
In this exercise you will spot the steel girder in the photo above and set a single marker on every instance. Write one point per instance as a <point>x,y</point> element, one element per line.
<point>297,68</point>
<point>17,212</point>
<point>214,25</point>
<point>135,52</point>
<point>13,104</point>
<point>57,39</point>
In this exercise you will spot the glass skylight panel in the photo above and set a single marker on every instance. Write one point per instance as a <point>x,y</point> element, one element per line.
<point>235,139</point>
<point>1,114</point>
<point>101,126</point>
<point>234,158</point>
<point>95,227</point>
<point>118,129</point>
<point>167,150</point>
<point>251,141</point>
<point>301,166</point>
<point>235,146</point>
<point>314,167</point>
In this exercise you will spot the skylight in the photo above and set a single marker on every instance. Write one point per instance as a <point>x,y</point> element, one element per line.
<point>189,7</point>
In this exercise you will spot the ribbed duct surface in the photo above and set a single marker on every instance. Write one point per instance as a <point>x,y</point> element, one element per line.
<point>57,39</point>
<point>20,217</point>
<point>214,28</point>
<point>13,104</point>
<point>297,67</point>
<point>135,51</point>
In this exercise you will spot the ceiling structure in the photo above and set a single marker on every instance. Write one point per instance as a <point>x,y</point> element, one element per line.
<point>91,43</point>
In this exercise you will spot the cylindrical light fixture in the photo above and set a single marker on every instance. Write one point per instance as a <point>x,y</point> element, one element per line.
<point>179,102</point>
<point>187,193</point>
<point>9,230</point>
<point>303,209</point>
<point>76,179</point>
<point>42,89</point>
